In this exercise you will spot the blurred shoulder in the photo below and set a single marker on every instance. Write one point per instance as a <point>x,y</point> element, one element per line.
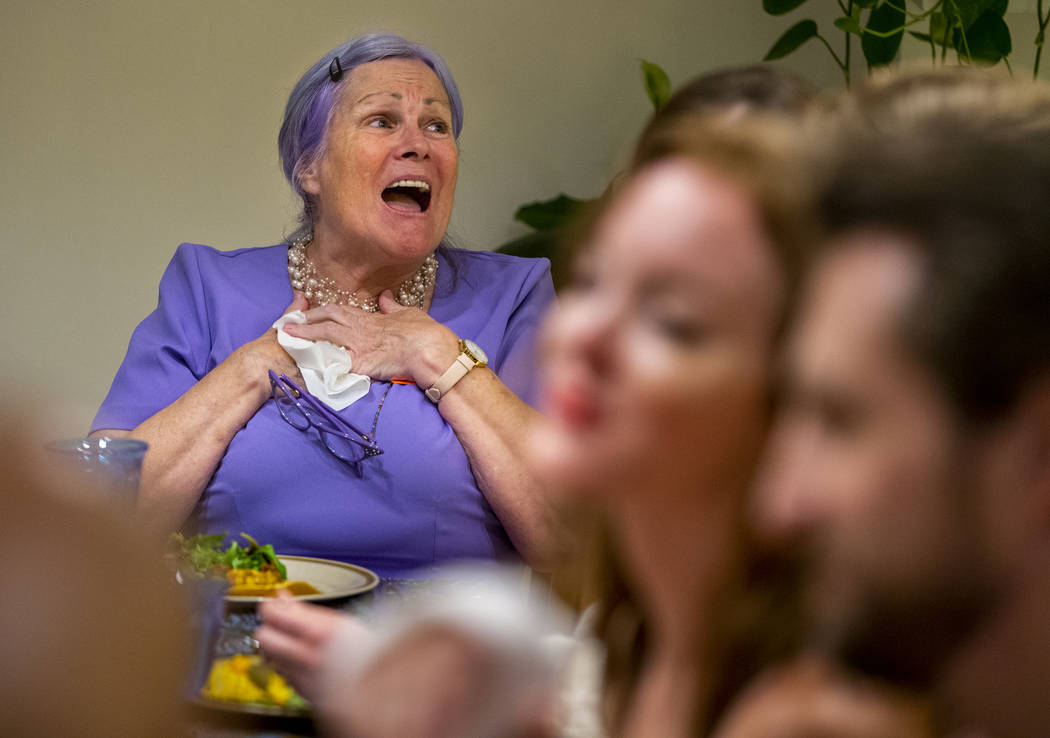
<point>492,265</point>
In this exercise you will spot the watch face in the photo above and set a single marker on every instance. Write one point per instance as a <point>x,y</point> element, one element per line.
<point>474,350</point>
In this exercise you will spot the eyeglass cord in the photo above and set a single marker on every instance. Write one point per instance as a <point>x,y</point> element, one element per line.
<point>375,418</point>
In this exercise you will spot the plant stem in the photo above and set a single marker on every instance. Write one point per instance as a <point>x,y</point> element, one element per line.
<point>835,56</point>
<point>907,24</point>
<point>1040,37</point>
<point>933,44</point>
<point>966,46</point>
<point>849,39</point>
<point>950,13</point>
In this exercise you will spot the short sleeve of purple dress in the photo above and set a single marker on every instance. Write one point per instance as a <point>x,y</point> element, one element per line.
<point>415,505</point>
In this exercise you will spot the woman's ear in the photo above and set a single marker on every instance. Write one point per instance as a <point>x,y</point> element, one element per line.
<point>309,178</point>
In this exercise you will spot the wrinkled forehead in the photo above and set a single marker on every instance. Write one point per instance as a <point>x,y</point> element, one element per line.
<point>394,79</point>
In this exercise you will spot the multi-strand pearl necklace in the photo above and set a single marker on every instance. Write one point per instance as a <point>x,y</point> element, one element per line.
<point>321,290</point>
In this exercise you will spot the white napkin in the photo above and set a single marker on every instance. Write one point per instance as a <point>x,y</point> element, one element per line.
<point>324,366</point>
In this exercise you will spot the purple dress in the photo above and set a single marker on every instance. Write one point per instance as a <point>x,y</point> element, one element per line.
<point>415,505</point>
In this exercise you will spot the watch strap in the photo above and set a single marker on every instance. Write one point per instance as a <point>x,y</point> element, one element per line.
<point>463,364</point>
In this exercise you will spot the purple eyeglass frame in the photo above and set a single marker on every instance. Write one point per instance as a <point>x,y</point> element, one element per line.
<point>321,418</point>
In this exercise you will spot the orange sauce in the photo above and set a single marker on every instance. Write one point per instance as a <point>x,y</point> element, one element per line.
<point>294,588</point>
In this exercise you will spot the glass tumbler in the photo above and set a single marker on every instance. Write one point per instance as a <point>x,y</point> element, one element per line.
<point>112,465</point>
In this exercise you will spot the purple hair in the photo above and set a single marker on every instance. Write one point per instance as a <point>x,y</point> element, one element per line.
<point>309,108</point>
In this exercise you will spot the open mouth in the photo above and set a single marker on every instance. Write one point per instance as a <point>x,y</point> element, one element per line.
<point>408,195</point>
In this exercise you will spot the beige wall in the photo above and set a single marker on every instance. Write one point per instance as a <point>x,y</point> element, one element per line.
<point>131,125</point>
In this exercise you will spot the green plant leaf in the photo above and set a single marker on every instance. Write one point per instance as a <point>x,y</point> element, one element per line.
<point>864,3</point>
<point>779,7</point>
<point>880,51</point>
<point>924,37</point>
<point>791,39</point>
<point>939,29</point>
<point>657,84</point>
<point>547,214</point>
<point>988,40</point>
<point>849,25</point>
<point>969,11</point>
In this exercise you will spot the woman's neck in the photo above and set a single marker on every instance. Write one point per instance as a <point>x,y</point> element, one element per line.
<point>664,702</point>
<point>358,270</point>
<point>681,554</point>
<point>679,561</point>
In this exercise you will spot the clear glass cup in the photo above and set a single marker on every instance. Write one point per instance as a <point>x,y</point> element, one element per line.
<point>207,612</point>
<point>109,464</point>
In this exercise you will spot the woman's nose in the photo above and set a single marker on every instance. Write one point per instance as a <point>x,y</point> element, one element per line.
<point>413,144</point>
<point>588,329</point>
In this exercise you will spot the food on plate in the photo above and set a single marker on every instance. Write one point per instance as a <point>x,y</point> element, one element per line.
<point>244,678</point>
<point>252,571</point>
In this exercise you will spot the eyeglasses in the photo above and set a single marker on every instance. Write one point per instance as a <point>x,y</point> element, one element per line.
<point>302,410</point>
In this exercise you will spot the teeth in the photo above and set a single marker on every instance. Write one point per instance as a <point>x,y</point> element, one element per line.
<point>418,184</point>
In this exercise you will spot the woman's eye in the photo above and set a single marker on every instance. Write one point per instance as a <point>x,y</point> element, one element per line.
<point>438,126</point>
<point>839,417</point>
<point>379,123</point>
<point>582,280</point>
<point>680,329</point>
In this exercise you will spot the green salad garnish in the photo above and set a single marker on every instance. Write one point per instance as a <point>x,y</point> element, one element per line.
<point>205,556</point>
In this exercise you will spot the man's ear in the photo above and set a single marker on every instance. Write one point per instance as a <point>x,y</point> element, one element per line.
<point>1033,453</point>
<point>1012,471</point>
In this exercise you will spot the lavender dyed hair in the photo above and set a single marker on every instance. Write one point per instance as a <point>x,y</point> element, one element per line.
<point>309,109</point>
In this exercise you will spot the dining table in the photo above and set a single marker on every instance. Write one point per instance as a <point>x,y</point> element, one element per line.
<point>208,719</point>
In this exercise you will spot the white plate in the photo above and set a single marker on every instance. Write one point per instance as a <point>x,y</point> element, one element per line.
<point>334,579</point>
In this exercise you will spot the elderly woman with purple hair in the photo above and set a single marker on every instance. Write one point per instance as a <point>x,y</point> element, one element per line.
<point>417,357</point>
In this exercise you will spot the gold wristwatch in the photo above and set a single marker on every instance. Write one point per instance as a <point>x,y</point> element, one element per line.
<point>470,357</point>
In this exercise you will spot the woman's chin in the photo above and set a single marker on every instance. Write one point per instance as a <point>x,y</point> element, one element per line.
<point>566,466</point>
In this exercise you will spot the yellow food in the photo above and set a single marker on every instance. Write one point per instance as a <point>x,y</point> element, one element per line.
<point>268,576</point>
<point>243,678</point>
<point>265,582</point>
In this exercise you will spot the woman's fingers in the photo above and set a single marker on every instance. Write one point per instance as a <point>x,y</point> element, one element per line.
<point>297,659</point>
<point>288,649</point>
<point>313,331</point>
<point>299,302</point>
<point>294,636</point>
<point>300,620</point>
<point>336,314</point>
<point>388,304</point>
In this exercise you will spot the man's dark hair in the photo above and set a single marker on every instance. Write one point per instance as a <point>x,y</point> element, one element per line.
<point>957,164</point>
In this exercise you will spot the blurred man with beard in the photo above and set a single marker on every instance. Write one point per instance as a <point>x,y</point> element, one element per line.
<point>913,451</point>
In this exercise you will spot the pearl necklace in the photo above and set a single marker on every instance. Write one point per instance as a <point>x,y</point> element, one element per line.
<point>321,290</point>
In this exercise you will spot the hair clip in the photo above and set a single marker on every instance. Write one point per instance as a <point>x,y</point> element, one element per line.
<point>335,70</point>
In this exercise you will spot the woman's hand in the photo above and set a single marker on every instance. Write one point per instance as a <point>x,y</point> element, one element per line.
<point>396,343</point>
<point>438,681</point>
<point>432,680</point>
<point>265,353</point>
<point>295,637</point>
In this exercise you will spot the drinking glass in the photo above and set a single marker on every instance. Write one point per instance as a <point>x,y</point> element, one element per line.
<point>110,464</point>
<point>206,603</point>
